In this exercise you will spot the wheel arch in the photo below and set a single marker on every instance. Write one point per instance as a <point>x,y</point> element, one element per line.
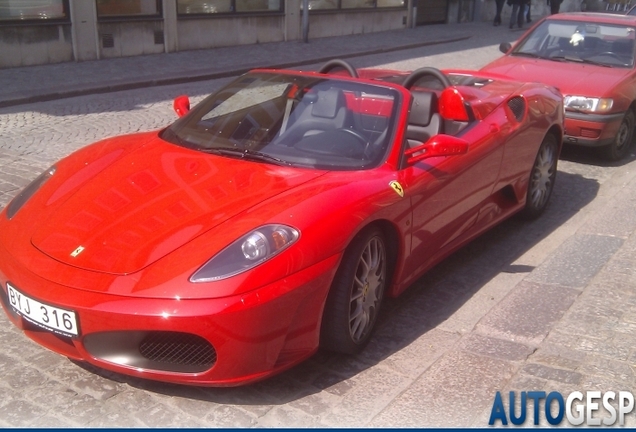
<point>392,237</point>
<point>557,131</point>
<point>332,336</point>
<point>393,244</point>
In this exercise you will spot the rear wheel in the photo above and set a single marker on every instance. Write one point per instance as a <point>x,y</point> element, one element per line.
<point>623,141</point>
<point>356,294</point>
<point>542,178</point>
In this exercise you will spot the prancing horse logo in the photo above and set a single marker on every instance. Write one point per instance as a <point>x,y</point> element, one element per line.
<point>397,187</point>
<point>77,251</point>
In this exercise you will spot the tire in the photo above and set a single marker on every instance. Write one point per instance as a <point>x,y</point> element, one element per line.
<point>356,294</point>
<point>619,148</point>
<point>542,177</point>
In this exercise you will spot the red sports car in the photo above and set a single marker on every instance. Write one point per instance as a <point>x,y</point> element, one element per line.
<point>589,57</point>
<point>271,219</point>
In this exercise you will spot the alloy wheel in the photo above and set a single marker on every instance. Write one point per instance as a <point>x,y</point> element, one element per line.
<point>368,289</point>
<point>542,176</point>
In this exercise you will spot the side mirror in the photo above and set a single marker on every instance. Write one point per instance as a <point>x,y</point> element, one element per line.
<point>504,47</point>
<point>181,105</point>
<point>439,145</point>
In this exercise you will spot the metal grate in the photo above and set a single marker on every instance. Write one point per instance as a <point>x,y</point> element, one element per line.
<point>159,37</point>
<point>590,133</point>
<point>108,41</point>
<point>518,107</point>
<point>178,348</point>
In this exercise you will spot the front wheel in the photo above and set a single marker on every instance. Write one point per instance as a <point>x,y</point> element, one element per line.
<point>542,177</point>
<point>356,294</point>
<point>623,141</point>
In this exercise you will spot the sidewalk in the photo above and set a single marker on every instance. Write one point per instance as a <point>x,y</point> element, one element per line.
<point>55,81</point>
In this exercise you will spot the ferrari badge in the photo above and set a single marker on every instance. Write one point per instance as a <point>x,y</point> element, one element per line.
<point>77,251</point>
<point>397,187</point>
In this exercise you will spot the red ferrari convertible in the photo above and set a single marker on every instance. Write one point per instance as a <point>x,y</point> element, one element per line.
<point>271,219</point>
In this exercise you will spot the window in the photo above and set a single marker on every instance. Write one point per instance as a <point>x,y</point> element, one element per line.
<point>357,4</point>
<point>200,7</point>
<point>321,4</point>
<point>128,8</point>
<point>257,5</point>
<point>353,4</point>
<point>391,3</point>
<point>28,10</point>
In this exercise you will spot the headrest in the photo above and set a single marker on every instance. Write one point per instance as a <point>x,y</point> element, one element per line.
<point>328,103</point>
<point>423,107</point>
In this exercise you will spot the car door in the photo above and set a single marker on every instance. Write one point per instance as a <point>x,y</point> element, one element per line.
<point>447,194</point>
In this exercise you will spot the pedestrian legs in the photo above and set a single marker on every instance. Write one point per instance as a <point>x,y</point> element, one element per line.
<point>514,15</point>
<point>500,5</point>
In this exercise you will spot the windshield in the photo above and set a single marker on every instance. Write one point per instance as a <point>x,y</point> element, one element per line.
<point>294,120</point>
<point>600,44</point>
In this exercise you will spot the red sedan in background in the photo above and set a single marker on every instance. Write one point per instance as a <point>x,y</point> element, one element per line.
<point>270,219</point>
<point>589,57</point>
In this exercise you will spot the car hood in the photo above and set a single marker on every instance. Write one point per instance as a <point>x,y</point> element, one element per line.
<point>127,209</point>
<point>570,78</point>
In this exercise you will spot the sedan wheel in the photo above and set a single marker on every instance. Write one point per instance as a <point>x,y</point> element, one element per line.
<point>356,294</point>
<point>542,178</point>
<point>623,141</point>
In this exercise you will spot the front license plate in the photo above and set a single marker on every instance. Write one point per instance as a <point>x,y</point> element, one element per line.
<point>51,318</point>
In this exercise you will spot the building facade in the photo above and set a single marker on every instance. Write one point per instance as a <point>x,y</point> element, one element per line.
<point>52,31</point>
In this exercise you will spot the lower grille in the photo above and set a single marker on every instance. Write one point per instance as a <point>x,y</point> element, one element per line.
<point>178,348</point>
<point>590,133</point>
<point>153,350</point>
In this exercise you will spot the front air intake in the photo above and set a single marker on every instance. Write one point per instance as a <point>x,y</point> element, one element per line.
<point>178,349</point>
<point>153,350</point>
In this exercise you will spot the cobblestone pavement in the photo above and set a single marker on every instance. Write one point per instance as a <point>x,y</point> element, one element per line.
<point>544,305</point>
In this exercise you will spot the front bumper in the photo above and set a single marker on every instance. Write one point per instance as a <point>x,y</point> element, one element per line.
<point>217,342</point>
<point>591,130</point>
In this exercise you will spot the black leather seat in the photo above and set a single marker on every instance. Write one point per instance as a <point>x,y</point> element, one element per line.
<point>424,119</point>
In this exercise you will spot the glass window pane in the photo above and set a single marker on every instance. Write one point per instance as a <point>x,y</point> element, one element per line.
<point>111,8</point>
<point>391,3</point>
<point>357,4</point>
<point>257,5</point>
<point>31,9</point>
<point>185,7</point>
<point>321,4</point>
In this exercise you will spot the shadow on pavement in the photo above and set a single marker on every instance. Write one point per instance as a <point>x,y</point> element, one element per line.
<point>592,156</point>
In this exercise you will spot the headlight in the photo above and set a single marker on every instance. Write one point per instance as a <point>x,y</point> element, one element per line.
<point>588,104</point>
<point>247,252</point>
<point>17,202</point>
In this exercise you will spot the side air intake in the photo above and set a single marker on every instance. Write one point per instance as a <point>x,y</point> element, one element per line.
<point>518,107</point>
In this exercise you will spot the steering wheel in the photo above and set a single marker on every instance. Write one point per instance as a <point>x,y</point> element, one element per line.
<point>356,134</point>
<point>364,141</point>
<point>338,63</point>
<point>420,73</point>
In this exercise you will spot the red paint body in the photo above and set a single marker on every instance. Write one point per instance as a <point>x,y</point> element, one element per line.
<point>148,214</point>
